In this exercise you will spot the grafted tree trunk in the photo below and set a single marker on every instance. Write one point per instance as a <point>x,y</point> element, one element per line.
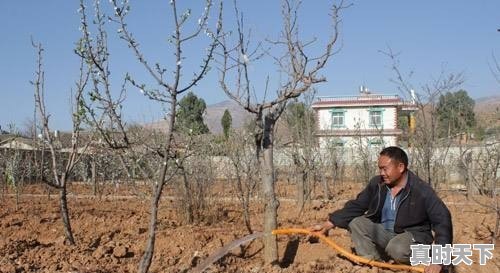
<point>157,191</point>
<point>326,187</point>
<point>150,244</point>
<point>187,201</point>
<point>301,74</point>
<point>57,160</point>
<point>301,189</point>
<point>299,175</point>
<point>63,201</point>
<point>270,201</point>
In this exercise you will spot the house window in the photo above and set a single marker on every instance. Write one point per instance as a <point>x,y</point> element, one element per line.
<point>376,117</point>
<point>377,142</point>
<point>336,143</point>
<point>338,118</point>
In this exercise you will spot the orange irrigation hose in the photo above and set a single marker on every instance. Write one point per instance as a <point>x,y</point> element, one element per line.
<point>345,253</point>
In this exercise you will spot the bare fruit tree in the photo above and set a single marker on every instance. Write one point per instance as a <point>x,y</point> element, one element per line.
<point>15,164</point>
<point>429,152</point>
<point>363,155</point>
<point>244,171</point>
<point>303,149</point>
<point>332,162</point>
<point>298,73</point>
<point>169,86</point>
<point>15,170</point>
<point>62,161</point>
<point>103,108</point>
<point>482,164</point>
<point>196,170</point>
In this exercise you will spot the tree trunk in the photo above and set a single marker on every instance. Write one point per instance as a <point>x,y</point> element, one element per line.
<point>301,191</point>
<point>94,176</point>
<point>187,202</point>
<point>63,202</point>
<point>497,227</point>
<point>4,184</point>
<point>158,188</point>
<point>270,201</point>
<point>298,174</point>
<point>428,168</point>
<point>246,213</point>
<point>42,168</point>
<point>472,189</point>
<point>150,244</point>
<point>326,187</point>
<point>244,199</point>
<point>16,188</point>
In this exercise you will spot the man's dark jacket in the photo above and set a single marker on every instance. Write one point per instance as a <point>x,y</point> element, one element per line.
<point>420,210</point>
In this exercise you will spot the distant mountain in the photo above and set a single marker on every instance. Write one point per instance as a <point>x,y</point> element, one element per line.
<point>213,116</point>
<point>487,111</point>
<point>486,108</point>
<point>487,104</point>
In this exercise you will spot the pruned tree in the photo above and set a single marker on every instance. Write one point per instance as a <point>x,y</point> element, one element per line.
<point>495,68</point>
<point>363,154</point>
<point>166,90</point>
<point>299,72</point>
<point>244,171</point>
<point>481,165</point>
<point>428,151</point>
<point>332,161</point>
<point>197,176</point>
<point>300,122</point>
<point>17,165</point>
<point>103,107</point>
<point>62,164</point>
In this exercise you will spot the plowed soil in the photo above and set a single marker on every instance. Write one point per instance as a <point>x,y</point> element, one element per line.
<point>111,231</point>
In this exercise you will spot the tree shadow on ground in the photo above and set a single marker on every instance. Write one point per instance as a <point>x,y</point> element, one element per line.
<point>290,252</point>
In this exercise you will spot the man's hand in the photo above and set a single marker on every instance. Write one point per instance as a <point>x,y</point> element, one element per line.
<point>323,228</point>
<point>433,268</point>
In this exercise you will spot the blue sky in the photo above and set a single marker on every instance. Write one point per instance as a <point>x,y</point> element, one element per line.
<point>457,36</point>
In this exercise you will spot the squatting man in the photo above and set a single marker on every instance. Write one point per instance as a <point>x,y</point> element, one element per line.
<point>395,210</point>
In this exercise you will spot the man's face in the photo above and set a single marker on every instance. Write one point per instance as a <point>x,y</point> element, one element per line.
<point>390,170</point>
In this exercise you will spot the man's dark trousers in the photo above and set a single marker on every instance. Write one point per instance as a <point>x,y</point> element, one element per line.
<point>373,242</point>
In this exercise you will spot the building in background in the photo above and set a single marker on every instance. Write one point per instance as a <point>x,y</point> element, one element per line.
<point>370,120</point>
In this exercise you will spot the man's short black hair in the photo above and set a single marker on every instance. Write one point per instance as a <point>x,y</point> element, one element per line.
<point>397,154</point>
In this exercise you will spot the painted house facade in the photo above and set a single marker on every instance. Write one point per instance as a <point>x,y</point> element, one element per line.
<point>369,119</point>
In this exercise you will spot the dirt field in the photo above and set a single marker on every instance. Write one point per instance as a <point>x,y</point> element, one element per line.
<point>111,232</point>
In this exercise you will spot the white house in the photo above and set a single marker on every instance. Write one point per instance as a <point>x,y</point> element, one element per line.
<point>368,119</point>
<point>11,141</point>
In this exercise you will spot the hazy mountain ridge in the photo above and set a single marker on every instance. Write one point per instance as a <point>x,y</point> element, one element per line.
<point>485,106</point>
<point>213,115</point>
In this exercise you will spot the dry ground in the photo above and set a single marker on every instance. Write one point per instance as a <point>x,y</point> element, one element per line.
<point>110,234</point>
